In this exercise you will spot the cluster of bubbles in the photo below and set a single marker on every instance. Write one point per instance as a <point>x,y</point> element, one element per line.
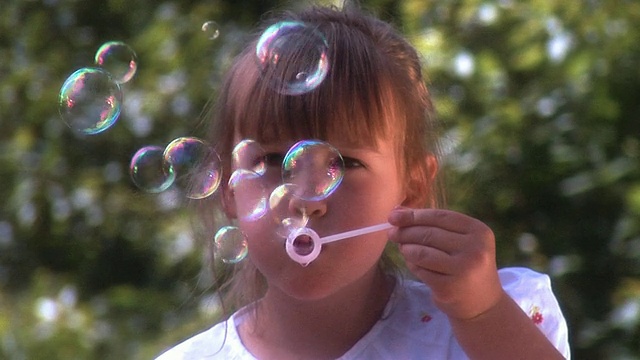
<point>90,99</point>
<point>311,171</point>
<point>293,59</point>
<point>187,163</point>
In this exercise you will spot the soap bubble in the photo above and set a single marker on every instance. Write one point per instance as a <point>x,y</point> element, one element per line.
<point>118,59</point>
<point>148,172</point>
<point>90,101</point>
<point>314,168</point>
<point>212,29</point>
<point>196,165</point>
<point>249,155</point>
<point>230,244</point>
<point>279,206</point>
<point>251,194</point>
<point>293,57</point>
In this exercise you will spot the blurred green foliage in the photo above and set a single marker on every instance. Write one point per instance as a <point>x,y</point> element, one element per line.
<point>539,100</point>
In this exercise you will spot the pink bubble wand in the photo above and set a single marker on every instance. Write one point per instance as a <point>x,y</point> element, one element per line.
<point>303,244</point>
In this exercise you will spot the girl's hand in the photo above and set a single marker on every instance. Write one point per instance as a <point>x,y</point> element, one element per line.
<point>453,254</point>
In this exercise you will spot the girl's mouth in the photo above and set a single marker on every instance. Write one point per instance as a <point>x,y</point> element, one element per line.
<point>303,244</point>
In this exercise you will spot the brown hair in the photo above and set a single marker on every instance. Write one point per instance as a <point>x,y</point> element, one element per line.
<point>374,88</point>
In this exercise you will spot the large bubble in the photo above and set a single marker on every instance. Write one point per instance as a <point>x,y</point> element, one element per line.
<point>90,101</point>
<point>148,171</point>
<point>313,168</point>
<point>293,57</point>
<point>196,166</point>
<point>118,59</point>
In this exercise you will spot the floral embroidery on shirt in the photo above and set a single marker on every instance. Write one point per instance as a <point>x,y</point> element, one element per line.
<point>536,315</point>
<point>425,317</point>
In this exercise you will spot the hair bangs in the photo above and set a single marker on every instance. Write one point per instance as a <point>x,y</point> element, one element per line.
<point>353,103</point>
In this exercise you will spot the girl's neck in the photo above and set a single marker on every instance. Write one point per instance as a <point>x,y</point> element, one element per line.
<point>327,328</point>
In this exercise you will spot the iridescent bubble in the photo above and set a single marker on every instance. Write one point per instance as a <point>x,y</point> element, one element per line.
<point>230,245</point>
<point>279,206</point>
<point>90,101</point>
<point>196,166</point>
<point>118,59</point>
<point>314,168</point>
<point>148,172</point>
<point>212,29</point>
<point>293,57</point>
<point>251,194</point>
<point>249,155</point>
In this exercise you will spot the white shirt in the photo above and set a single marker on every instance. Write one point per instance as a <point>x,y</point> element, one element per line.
<point>412,327</point>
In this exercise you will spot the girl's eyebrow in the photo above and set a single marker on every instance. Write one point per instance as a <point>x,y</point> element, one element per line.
<point>368,149</point>
<point>360,147</point>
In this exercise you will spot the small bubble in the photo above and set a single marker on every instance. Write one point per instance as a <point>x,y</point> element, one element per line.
<point>279,201</point>
<point>250,193</point>
<point>249,155</point>
<point>230,245</point>
<point>148,172</point>
<point>90,101</point>
<point>118,59</point>
<point>211,29</point>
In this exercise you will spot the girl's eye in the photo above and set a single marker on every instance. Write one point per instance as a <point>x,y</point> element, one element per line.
<point>273,159</point>
<point>351,163</point>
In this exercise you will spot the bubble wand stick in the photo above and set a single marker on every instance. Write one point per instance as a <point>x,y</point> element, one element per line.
<point>354,233</point>
<point>307,236</point>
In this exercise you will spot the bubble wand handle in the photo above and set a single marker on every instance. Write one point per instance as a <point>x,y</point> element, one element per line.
<point>356,232</point>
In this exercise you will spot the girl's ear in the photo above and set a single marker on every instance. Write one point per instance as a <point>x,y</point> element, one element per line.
<point>229,202</point>
<point>420,190</point>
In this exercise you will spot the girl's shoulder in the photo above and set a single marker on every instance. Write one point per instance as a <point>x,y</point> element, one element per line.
<point>218,342</point>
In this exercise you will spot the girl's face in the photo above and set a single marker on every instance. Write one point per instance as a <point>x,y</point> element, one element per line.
<point>370,189</point>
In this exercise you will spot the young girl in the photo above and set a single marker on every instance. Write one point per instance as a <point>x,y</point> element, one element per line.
<point>354,301</point>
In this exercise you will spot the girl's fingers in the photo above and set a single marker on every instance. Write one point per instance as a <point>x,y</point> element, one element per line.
<point>445,219</point>
<point>427,236</point>
<point>445,230</point>
<point>427,258</point>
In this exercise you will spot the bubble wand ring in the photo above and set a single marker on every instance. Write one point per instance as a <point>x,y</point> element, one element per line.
<point>305,235</point>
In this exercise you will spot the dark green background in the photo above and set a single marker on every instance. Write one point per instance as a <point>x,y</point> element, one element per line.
<point>543,146</point>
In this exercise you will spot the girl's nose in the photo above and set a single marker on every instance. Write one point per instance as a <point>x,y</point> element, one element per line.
<point>311,208</point>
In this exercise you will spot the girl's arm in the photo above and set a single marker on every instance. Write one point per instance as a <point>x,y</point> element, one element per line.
<point>454,255</point>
